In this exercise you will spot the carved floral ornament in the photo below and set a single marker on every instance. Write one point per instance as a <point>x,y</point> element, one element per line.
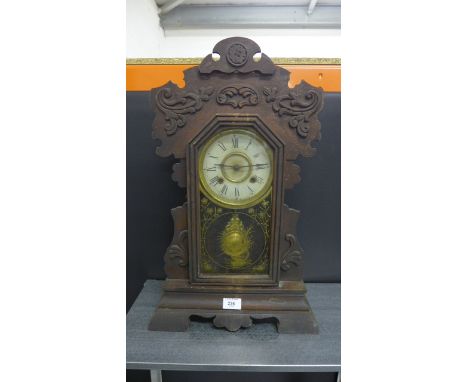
<point>237,96</point>
<point>293,256</point>
<point>237,54</point>
<point>176,103</point>
<point>299,104</point>
<point>177,251</point>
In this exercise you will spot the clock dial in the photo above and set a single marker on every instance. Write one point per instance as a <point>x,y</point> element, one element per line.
<point>236,168</point>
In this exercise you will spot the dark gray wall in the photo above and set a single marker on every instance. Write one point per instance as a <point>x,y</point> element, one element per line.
<point>151,194</point>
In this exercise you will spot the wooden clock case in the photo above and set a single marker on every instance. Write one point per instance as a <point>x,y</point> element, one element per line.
<point>236,90</point>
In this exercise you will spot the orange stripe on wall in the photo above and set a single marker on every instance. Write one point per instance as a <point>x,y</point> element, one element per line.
<point>146,77</point>
<point>326,76</point>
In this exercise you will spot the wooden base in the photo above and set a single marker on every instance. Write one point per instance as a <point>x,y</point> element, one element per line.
<point>291,313</point>
<point>178,320</point>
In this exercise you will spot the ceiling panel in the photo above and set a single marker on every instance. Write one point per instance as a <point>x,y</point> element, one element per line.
<point>249,14</point>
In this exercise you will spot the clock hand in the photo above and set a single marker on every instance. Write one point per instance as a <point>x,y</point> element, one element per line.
<point>249,165</point>
<point>227,165</point>
<point>256,165</point>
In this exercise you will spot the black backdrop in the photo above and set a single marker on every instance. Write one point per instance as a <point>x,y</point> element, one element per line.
<point>151,194</point>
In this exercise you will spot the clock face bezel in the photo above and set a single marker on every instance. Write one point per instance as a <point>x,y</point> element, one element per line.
<point>236,204</point>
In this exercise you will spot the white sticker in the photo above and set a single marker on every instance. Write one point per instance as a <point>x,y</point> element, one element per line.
<point>232,303</point>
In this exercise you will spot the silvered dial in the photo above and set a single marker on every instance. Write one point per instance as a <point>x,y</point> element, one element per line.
<point>235,168</point>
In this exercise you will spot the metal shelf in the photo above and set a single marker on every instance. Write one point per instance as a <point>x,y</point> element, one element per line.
<point>258,348</point>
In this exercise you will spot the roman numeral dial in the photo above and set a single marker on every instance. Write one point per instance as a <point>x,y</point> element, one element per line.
<point>236,168</point>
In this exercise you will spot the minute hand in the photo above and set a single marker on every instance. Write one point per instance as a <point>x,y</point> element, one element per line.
<point>256,165</point>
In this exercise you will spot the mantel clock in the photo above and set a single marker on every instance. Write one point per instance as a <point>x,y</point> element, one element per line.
<point>235,130</point>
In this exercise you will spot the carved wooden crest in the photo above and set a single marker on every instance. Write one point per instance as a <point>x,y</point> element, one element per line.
<point>237,83</point>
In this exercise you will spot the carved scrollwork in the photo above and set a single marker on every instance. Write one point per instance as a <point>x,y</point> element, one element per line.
<point>175,104</point>
<point>293,255</point>
<point>177,250</point>
<point>300,104</point>
<point>176,258</point>
<point>237,96</point>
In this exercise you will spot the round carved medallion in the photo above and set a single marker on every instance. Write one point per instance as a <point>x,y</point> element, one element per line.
<point>237,54</point>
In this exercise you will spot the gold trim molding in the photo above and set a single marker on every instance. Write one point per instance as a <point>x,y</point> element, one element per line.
<point>197,60</point>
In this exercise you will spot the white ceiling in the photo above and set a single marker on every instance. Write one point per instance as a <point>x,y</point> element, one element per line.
<point>147,39</point>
